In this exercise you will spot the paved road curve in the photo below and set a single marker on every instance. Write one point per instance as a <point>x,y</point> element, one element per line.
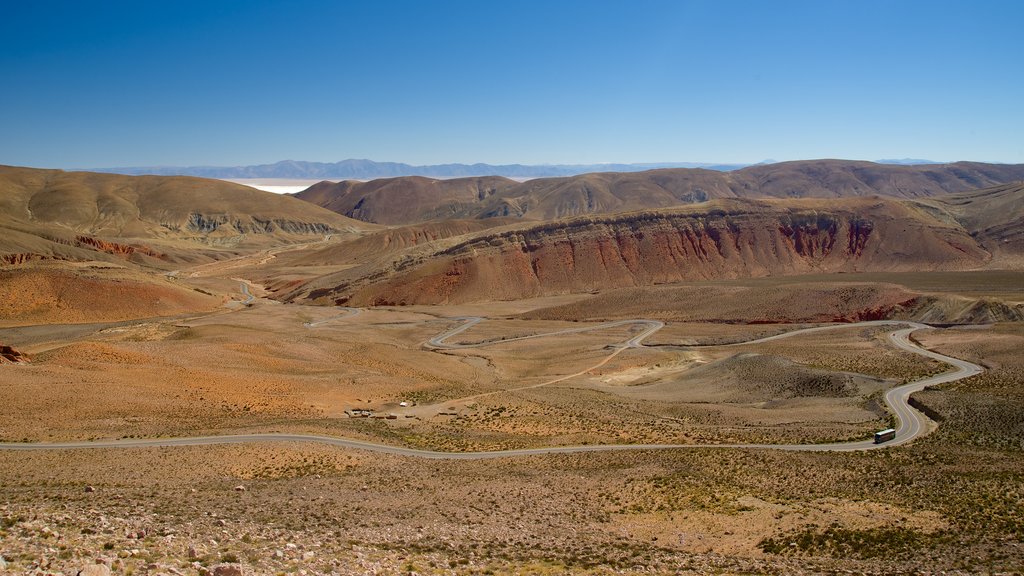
<point>912,424</point>
<point>245,292</point>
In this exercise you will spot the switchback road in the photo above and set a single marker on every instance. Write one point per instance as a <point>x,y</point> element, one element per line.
<point>912,424</point>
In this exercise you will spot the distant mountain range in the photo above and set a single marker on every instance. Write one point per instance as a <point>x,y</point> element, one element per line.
<point>368,169</point>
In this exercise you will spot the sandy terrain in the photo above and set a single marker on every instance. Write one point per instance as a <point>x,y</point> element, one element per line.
<point>940,504</point>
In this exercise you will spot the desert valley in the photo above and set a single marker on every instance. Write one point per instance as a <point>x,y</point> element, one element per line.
<point>678,370</point>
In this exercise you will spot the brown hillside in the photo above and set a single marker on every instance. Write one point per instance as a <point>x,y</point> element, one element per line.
<point>721,239</point>
<point>82,215</point>
<point>613,192</point>
<point>549,198</point>
<point>769,301</point>
<point>387,242</point>
<point>407,199</point>
<point>841,178</point>
<point>366,253</point>
<point>55,295</point>
<point>415,199</point>
<point>755,303</point>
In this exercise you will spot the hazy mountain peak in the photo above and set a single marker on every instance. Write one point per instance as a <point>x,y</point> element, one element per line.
<point>907,161</point>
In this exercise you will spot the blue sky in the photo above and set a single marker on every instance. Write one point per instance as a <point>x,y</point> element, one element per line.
<point>101,84</point>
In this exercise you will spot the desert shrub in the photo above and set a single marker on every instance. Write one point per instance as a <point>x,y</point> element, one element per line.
<point>839,542</point>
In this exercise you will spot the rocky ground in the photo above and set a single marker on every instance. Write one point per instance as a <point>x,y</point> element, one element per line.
<point>950,502</point>
<point>299,508</point>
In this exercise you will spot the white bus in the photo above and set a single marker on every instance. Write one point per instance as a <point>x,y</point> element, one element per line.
<point>884,435</point>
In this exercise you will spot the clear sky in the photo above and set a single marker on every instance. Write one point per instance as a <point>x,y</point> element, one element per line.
<point>222,82</point>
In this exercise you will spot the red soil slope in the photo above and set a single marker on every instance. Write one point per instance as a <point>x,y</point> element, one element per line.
<point>49,295</point>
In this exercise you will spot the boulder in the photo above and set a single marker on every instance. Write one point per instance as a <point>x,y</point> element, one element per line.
<point>228,570</point>
<point>8,354</point>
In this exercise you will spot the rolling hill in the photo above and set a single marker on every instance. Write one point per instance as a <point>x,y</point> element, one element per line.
<point>411,200</point>
<point>52,214</point>
<point>405,200</point>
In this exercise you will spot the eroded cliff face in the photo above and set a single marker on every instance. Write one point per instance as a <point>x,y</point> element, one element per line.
<point>206,224</point>
<point>644,249</point>
<point>23,257</point>
<point>115,248</point>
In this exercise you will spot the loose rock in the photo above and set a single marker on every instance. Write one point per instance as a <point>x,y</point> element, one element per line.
<point>94,570</point>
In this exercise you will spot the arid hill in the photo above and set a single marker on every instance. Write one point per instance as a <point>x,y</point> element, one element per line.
<point>369,252</point>
<point>993,216</point>
<point>415,199</point>
<point>719,239</point>
<point>406,199</point>
<point>63,293</point>
<point>48,214</point>
<point>388,241</point>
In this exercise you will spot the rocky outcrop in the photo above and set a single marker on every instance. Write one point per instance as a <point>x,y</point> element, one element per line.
<point>10,355</point>
<point>957,310</point>
<point>22,258</point>
<point>206,224</point>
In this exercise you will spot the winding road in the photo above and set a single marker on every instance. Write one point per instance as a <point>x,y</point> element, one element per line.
<point>245,292</point>
<point>912,424</point>
<point>438,342</point>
